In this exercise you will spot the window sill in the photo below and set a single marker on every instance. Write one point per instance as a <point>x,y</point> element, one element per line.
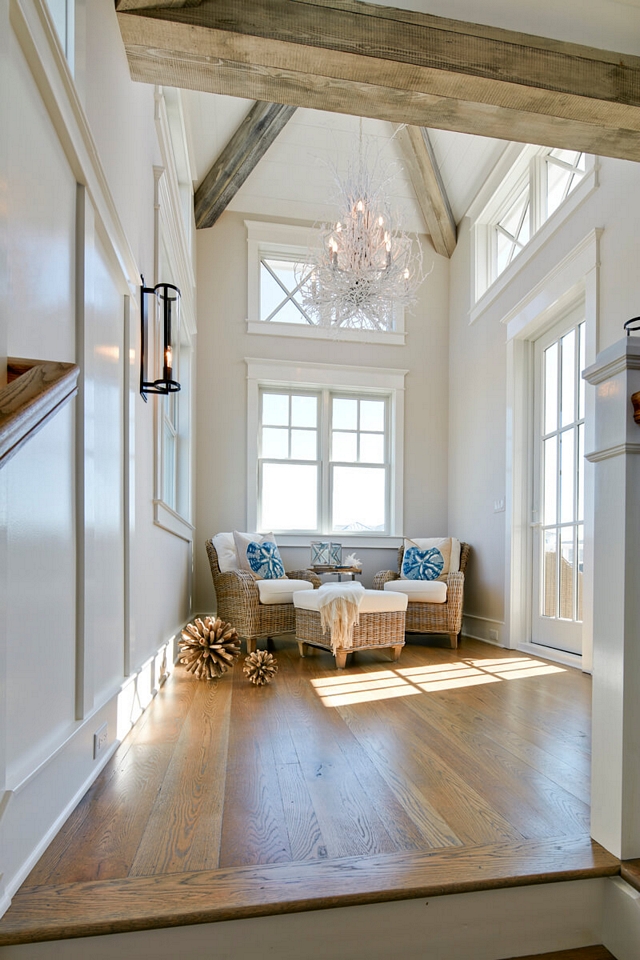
<point>348,542</point>
<point>585,188</point>
<point>274,329</point>
<point>168,519</point>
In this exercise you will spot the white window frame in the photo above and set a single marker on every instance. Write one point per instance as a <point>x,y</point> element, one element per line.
<point>517,165</point>
<point>324,460</point>
<point>291,242</point>
<point>171,233</point>
<point>337,378</point>
<point>574,280</point>
<point>62,13</point>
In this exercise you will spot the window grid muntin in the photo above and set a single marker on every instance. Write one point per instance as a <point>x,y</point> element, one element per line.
<point>358,431</point>
<point>531,168</point>
<point>360,464</point>
<point>577,174</point>
<point>289,294</point>
<point>576,427</point>
<point>324,463</point>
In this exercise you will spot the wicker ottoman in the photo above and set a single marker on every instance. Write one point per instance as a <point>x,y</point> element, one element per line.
<point>382,619</point>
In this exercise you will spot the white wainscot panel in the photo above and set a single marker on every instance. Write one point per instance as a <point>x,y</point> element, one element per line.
<point>105,646</point>
<point>41,217</point>
<point>41,595</point>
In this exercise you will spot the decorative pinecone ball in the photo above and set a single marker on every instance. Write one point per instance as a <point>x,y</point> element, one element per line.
<point>260,667</point>
<point>209,647</point>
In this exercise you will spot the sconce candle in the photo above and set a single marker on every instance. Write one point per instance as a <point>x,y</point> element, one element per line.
<point>168,317</point>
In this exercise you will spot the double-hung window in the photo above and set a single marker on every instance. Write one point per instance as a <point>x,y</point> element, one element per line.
<point>323,462</point>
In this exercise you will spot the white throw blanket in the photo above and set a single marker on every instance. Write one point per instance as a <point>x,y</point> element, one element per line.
<point>339,607</point>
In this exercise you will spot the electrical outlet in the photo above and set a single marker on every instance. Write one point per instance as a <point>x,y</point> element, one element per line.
<point>99,740</point>
<point>493,635</point>
<point>498,505</point>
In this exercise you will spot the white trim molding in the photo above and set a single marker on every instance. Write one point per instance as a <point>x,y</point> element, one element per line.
<point>486,292</point>
<point>391,338</point>
<point>283,373</point>
<point>288,240</point>
<point>615,774</point>
<point>171,235</point>
<point>39,42</point>
<point>168,519</point>
<point>573,281</point>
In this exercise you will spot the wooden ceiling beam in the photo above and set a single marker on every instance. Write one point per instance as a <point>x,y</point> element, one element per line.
<point>399,65</point>
<point>422,167</point>
<point>142,4</point>
<point>244,150</point>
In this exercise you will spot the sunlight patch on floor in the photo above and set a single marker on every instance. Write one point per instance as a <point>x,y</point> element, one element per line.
<point>348,689</point>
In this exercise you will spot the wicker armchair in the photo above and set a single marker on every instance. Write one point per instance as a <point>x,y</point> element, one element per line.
<point>239,602</point>
<point>434,617</point>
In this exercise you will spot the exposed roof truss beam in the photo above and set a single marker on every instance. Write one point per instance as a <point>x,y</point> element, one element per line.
<point>397,65</point>
<point>430,192</point>
<point>142,4</point>
<point>244,150</point>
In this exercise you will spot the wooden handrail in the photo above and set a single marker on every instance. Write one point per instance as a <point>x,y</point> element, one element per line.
<point>35,391</point>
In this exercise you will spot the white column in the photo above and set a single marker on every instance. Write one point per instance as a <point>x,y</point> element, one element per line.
<point>615,781</point>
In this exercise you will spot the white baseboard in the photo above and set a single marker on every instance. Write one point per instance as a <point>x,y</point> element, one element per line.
<point>483,628</point>
<point>5,901</point>
<point>621,924</point>
<point>18,878</point>
<point>33,812</point>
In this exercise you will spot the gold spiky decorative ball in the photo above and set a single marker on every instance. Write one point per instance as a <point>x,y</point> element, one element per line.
<point>209,647</point>
<point>260,667</point>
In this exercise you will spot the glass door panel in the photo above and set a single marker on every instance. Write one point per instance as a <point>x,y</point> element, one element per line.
<point>558,540</point>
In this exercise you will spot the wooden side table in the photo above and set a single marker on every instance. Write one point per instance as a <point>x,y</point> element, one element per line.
<point>339,571</point>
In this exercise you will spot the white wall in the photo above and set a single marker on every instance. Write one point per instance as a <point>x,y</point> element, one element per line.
<point>74,615</point>
<point>478,363</point>
<point>221,404</point>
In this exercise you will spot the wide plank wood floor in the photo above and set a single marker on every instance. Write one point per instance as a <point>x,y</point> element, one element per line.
<point>447,770</point>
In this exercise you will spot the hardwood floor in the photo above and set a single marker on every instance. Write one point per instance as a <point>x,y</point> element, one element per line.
<point>449,770</point>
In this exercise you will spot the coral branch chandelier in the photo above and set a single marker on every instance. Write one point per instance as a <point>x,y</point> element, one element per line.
<point>366,267</point>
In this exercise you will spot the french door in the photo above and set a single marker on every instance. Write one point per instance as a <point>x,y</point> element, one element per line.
<point>558,487</point>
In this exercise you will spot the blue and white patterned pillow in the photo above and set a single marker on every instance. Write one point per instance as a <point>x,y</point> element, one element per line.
<point>258,554</point>
<point>265,560</point>
<point>422,564</point>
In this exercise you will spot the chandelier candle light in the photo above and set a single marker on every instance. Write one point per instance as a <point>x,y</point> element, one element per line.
<point>366,267</point>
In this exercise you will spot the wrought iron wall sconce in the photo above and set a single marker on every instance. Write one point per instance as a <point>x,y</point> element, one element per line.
<point>634,324</point>
<point>168,305</point>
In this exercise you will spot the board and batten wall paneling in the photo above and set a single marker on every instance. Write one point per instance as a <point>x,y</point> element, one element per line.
<point>41,588</point>
<point>41,214</point>
<point>72,268</point>
<point>221,404</point>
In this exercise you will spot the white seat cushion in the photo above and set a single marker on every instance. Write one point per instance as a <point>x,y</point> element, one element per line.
<point>280,591</point>
<point>419,591</point>
<point>373,601</point>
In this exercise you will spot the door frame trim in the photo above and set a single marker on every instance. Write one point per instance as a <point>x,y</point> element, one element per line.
<point>574,279</point>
